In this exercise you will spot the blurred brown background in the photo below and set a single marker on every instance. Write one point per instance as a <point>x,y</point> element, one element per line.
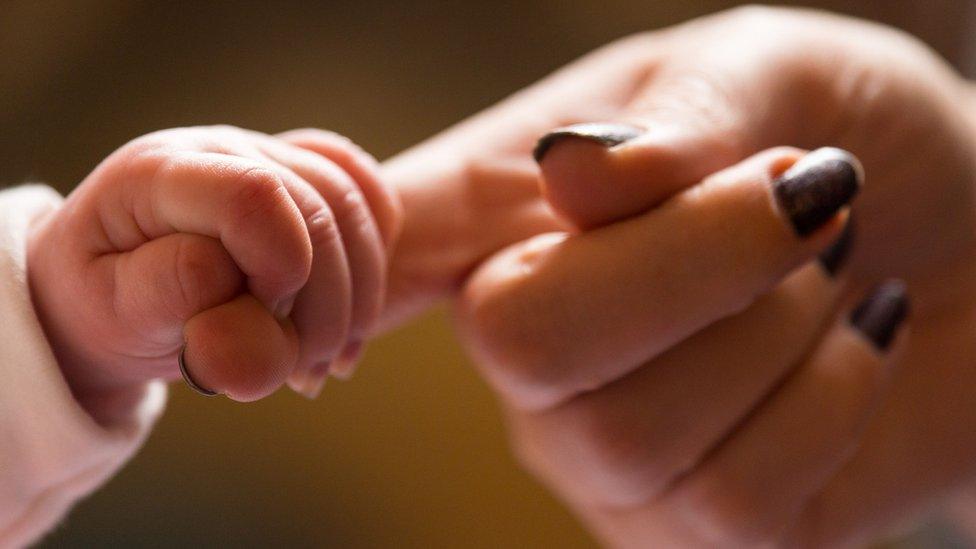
<point>411,453</point>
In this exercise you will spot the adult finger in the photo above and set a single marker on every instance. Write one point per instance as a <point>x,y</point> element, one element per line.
<point>623,444</point>
<point>752,487</point>
<point>722,94</point>
<point>558,315</point>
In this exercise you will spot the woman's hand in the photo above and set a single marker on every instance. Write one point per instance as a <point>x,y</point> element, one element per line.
<point>644,363</point>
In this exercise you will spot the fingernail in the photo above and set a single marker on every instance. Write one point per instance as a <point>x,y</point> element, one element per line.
<point>880,314</point>
<point>345,365</point>
<point>834,257</point>
<point>608,135</point>
<point>312,382</point>
<point>817,186</point>
<point>188,379</point>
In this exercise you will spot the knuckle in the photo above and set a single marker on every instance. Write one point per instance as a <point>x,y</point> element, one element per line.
<point>356,212</point>
<point>140,149</point>
<point>350,203</point>
<point>323,230</point>
<point>139,160</point>
<point>259,199</point>
<point>259,192</point>
<point>350,210</point>
<point>708,96</point>
<point>144,161</point>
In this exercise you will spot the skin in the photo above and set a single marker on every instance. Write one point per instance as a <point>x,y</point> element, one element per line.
<point>674,426</point>
<point>265,255</point>
<point>761,417</point>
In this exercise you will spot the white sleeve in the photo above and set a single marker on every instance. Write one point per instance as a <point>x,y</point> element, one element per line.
<point>52,453</point>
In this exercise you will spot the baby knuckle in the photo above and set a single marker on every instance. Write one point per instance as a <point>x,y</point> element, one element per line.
<point>259,192</point>
<point>703,99</point>
<point>139,160</point>
<point>323,230</point>
<point>144,162</point>
<point>351,206</point>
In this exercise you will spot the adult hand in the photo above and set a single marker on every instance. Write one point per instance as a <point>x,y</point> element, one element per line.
<point>651,364</point>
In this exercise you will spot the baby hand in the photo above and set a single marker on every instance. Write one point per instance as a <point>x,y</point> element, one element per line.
<point>261,259</point>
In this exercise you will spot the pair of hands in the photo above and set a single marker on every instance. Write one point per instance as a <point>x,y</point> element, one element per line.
<point>680,371</point>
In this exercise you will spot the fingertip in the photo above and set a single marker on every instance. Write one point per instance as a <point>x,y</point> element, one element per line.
<point>577,182</point>
<point>239,350</point>
<point>596,174</point>
<point>880,317</point>
<point>310,382</point>
<point>816,187</point>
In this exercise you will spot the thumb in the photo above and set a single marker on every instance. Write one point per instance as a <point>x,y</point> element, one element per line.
<point>595,174</point>
<point>185,291</point>
<point>684,124</point>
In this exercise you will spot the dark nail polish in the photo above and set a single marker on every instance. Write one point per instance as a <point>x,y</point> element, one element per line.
<point>181,359</point>
<point>817,186</point>
<point>880,314</point>
<point>834,257</point>
<point>608,135</point>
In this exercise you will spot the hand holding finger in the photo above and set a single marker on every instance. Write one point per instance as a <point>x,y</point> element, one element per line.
<point>558,315</point>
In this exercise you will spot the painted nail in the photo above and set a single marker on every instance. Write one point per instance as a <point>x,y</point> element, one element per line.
<point>880,314</point>
<point>310,383</point>
<point>834,257</point>
<point>608,135</point>
<point>345,365</point>
<point>817,186</point>
<point>188,379</point>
